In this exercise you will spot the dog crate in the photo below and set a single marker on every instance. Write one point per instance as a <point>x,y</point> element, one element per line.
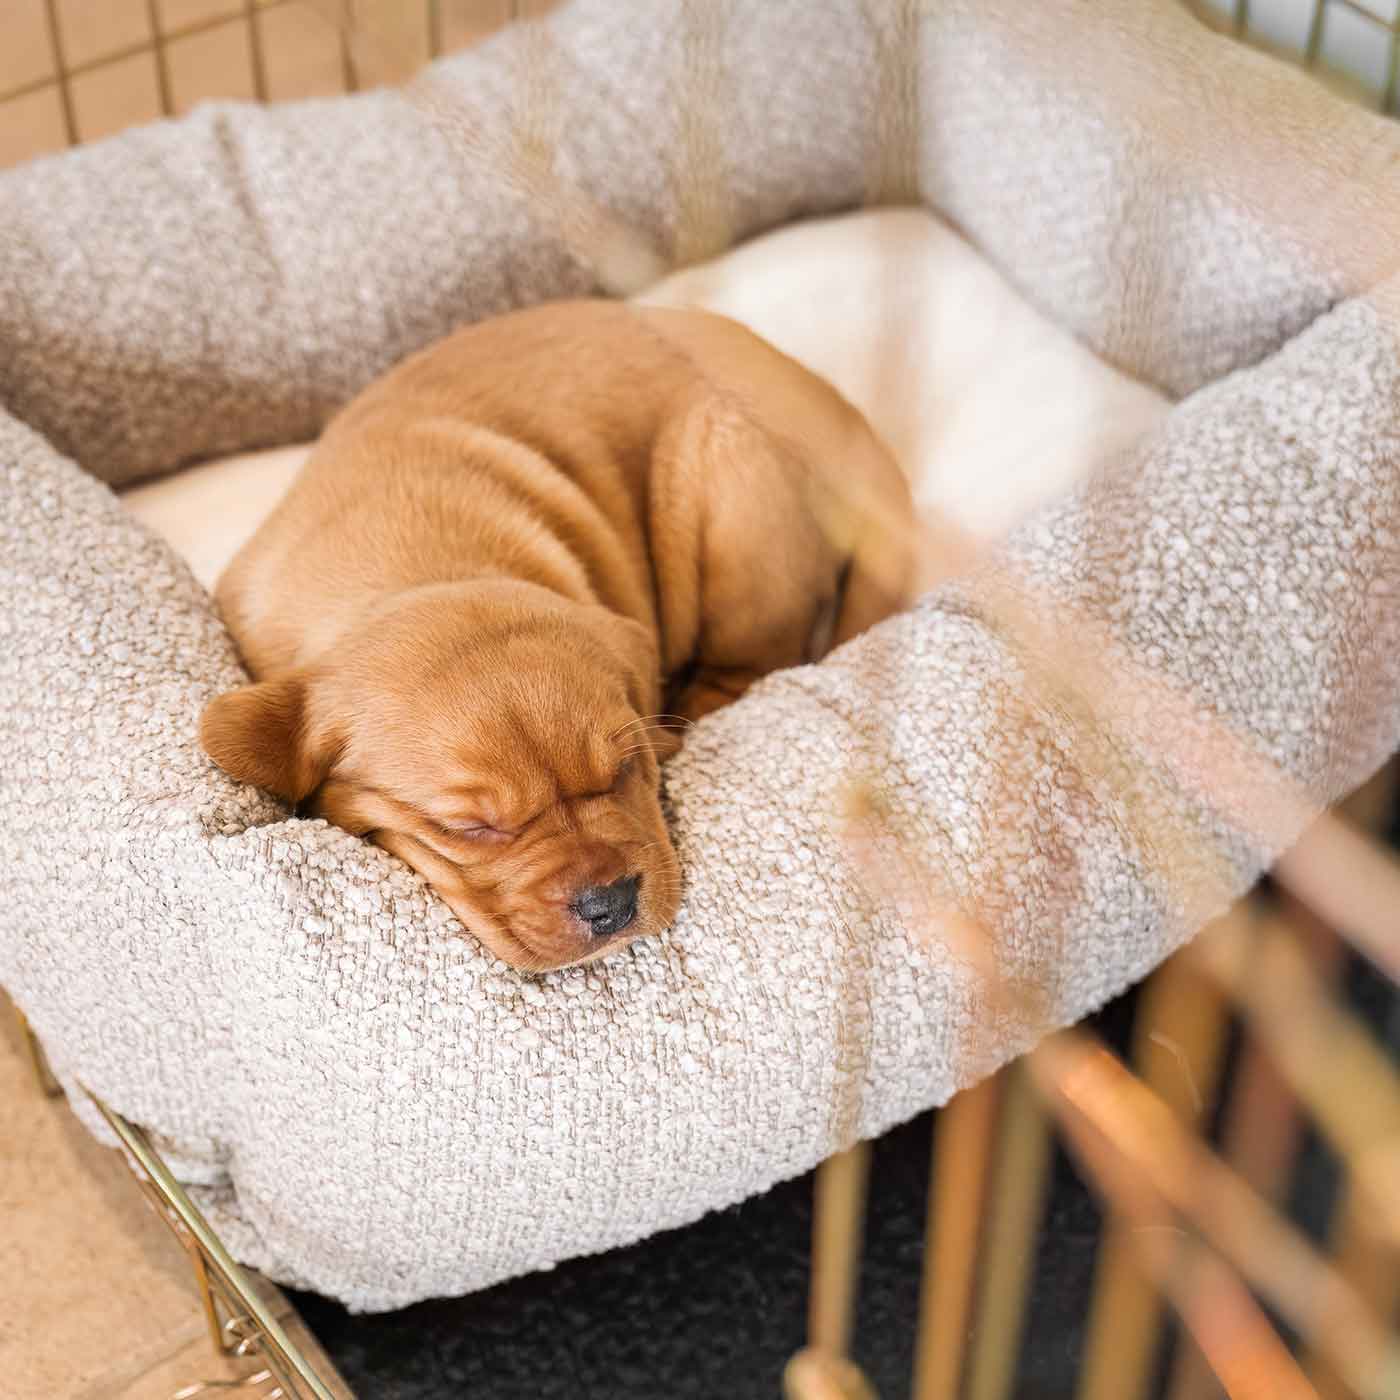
<point>1243,1041</point>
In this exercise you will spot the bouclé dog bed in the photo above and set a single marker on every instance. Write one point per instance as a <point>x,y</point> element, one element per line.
<point>365,1103</point>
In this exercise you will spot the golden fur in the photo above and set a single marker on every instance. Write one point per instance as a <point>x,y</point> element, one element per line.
<point>514,565</point>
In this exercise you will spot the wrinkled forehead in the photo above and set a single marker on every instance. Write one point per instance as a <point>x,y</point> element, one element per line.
<point>534,713</point>
<point>530,735</point>
<point>530,760</point>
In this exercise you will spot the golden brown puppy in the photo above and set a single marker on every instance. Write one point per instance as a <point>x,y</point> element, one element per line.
<point>508,562</point>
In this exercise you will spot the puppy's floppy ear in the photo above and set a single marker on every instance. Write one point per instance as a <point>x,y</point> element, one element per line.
<point>260,734</point>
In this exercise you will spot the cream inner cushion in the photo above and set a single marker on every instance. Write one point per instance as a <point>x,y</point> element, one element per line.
<point>991,408</point>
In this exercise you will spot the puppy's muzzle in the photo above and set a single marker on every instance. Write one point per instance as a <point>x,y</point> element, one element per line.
<point>608,908</point>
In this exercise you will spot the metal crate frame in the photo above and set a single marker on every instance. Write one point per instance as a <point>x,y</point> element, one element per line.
<point>241,1327</point>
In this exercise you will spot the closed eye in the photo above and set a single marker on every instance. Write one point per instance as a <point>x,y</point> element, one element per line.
<point>445,830</point>
<point>472,831</point>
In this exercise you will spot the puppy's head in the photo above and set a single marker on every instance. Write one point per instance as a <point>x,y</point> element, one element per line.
<point>498,739</point>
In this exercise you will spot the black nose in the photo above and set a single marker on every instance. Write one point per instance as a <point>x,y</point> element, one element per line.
<point>608,908</point>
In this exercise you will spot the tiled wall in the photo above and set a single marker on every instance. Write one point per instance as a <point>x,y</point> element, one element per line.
<point>76,70</point>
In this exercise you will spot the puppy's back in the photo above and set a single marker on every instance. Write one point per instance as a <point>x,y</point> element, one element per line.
<point>505,439</point>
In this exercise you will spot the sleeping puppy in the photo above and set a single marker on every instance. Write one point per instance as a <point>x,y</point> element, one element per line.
<point>513,566</point>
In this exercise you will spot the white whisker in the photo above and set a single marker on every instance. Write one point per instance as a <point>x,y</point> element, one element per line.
<point>680,721</point>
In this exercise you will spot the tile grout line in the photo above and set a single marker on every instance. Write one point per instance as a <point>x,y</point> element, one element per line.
<point>347,59</point>
<point>164,40</point>
<point>434,29</point>
<point>65,96</point>
<point>161,58</point>
<point>255,47</point>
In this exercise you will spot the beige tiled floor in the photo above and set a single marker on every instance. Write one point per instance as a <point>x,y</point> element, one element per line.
<point>76,70</point>
<point>96,1297</point>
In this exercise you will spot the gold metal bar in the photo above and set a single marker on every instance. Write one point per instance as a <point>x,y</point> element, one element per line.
<point>1179,1040</point>
<point>1370,1263</point>
<point>1360,10</point>
<point>1245,1353</point>
<point>1192,1376</point>
<point>1262,1132</point>
<point>1313,44</point>
<point>813,1375</point>
<point>38,1061</point>
<point>823,1370</point>
<point>1352,882</point>
<point>1327,1055</point>
<point>1018,1198</point>
<point>1365,1237</point>
<point>1219,1312</point>
<point>838,1227</point>
<point>1372,806</point>
<point>1229,1330</point>
<point>258,1378</point>
<point>1260,1139</point>
<point>962,1147</point>
<point>232,1340</point>
<point>1392,72</point>
<point>1263,1128</point>
<point>206,1294</point>
<point>255,49</point>
<point>1124,1322</point>
<point>1118,1118</point>
<point>282,1354</point>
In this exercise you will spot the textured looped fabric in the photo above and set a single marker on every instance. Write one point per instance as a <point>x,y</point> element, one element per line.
<point>1080,752</point>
